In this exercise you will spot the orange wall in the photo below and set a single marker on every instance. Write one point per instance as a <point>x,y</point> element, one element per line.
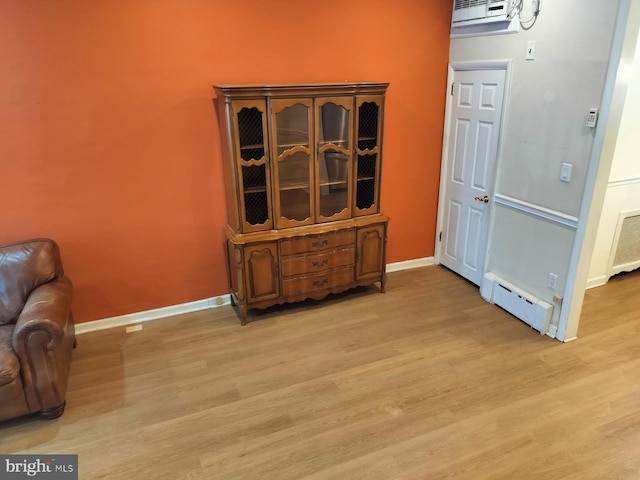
<point>109,141</point>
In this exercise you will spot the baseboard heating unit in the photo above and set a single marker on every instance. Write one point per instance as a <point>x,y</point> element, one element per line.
<point>531,310</point>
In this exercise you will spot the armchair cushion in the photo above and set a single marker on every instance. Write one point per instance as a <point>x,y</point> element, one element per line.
<point>9,364</point>
<point>11,386</point>
<point>24,267</point>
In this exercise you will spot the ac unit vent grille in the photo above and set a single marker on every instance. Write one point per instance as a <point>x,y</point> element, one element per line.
<point>460,4</point>
<point>628,248</point>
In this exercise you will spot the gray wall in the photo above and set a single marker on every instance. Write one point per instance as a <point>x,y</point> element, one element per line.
<point>544,126</point>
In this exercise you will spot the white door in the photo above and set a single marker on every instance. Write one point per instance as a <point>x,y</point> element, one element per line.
<point>474,131</point>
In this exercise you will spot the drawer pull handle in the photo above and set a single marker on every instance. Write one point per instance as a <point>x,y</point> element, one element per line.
<point>323,243</point>
<point>319,283</point>
<point>320,264</point>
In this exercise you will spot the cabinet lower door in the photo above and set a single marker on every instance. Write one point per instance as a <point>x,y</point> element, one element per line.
<point>371,245</point>
<point>261,271</point>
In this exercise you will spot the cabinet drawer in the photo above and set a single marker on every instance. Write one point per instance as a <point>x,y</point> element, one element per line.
<point>311,283</point>
<point>320,242</point>
<point>318,262</point>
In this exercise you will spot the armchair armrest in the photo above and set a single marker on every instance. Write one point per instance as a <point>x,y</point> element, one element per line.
<point>47,310</point>
<point>43,339</point>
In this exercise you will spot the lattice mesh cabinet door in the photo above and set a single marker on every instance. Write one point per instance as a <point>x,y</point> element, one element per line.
<point>368,155</point>
<point>252,146</point>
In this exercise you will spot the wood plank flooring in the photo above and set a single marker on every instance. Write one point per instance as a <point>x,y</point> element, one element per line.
<point>426,381</point>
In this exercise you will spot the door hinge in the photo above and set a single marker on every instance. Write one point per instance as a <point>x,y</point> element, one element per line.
<point>452,86</point>
<point>440,237</point>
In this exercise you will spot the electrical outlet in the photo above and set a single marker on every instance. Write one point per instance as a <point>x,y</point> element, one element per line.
<point>592,118</point>
<point>553,281</point>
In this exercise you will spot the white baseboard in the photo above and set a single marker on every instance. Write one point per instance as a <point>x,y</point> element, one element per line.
<point>409,264</point>
<point>155,314</point>
<point>597,281</point>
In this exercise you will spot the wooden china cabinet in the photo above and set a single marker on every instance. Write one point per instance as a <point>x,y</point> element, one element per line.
<point>302,168</point>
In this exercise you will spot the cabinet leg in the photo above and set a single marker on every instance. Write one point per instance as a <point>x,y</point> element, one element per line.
<point>383,282</point>
<point>243,314</point>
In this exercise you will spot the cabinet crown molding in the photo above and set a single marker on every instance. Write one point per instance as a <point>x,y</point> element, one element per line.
<point>311,89</point>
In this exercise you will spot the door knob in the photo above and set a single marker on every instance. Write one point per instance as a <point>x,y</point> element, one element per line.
<point>484,199</point>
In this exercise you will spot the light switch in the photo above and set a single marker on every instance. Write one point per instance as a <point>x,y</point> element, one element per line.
<point>531,50</point>
<point>565,172</point>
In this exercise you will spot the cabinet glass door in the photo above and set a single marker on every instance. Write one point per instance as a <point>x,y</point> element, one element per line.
<point>292,141</point>
<point>251,144</point>
<point>333,169</point>
<point>368,124</point>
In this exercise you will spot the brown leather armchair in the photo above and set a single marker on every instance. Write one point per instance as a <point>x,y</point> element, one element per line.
<point>37,333</point>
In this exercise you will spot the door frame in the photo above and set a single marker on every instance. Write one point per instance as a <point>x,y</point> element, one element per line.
<point>454,67</point>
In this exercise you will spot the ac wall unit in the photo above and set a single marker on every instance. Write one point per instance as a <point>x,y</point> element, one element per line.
<point>475,12</point>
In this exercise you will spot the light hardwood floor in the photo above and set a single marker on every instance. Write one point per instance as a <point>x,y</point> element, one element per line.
<point>426,381</point>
